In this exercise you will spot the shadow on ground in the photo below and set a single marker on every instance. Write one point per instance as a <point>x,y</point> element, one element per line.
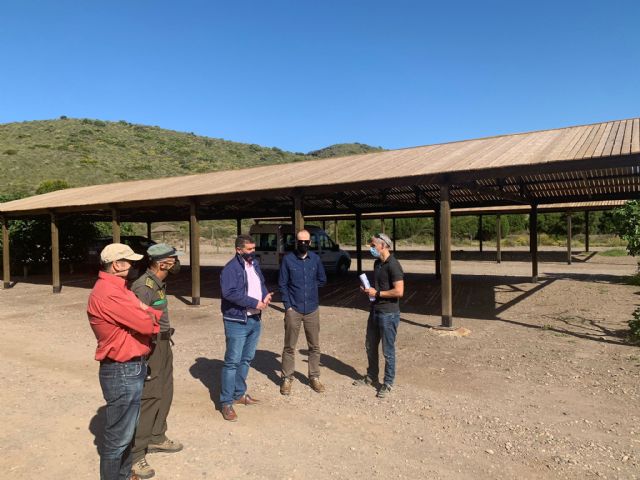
<point>96,427</point>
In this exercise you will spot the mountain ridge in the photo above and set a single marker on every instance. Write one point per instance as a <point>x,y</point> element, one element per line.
<point>82,152</point>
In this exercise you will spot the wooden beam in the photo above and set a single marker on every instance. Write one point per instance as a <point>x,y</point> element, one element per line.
<point>194,241</point>
<point>55,255</point>
<point>115,224</point>
<point>149,230</point>
<point>494,192</point>
<point>359,241</point>
<point>533,242</point>
<point>569,236</point>
<point>445,257</point>
<point>6,258</point>
<point>498,239</point>
<point>335,231</point>
<point>436,241</point>
<point>238,226</point>
<point>480,231</point>
<point>393,232</point>
<point>298,217</point>
<point>586,231</point>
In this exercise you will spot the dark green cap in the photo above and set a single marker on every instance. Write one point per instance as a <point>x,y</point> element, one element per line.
<point>162,250</point>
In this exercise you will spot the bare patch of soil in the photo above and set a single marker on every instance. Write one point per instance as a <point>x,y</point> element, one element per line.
<point>544,386</point>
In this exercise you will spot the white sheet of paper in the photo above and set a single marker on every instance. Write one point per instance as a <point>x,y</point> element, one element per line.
<point>365,283</point>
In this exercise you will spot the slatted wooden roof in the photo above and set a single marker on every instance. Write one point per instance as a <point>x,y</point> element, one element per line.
<point>582,163</point>
<point>502,210</point>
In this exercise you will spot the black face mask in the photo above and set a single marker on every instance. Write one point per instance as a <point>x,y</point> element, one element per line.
<point>132,274</point>
<point>302,247</point>
<point>248,256</point>
<point>175,268</point>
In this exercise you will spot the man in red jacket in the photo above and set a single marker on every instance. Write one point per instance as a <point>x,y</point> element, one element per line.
<point>123,327</point>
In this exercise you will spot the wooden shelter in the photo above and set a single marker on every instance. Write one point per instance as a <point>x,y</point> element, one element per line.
<point>596,162</point>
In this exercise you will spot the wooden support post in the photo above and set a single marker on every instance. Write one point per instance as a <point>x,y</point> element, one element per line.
<point>359,241</point>
<point>298,217</point>
<point>393,232</point>
<point>194,240</point>
<point>533,242</point>
<point>324,225</point>
<point>115,225</point>
<point>498,239</point>
<point>445,257</point>
<point>149,230</point>
<point>480,231</point>
<point>436,241</point>
<point>6,258</point>
<point>382,226</point>
<point>55,255</point>
<point>586,230</point>
<point>335,231</point>
<point>569,236</point>
<point>238,227</point>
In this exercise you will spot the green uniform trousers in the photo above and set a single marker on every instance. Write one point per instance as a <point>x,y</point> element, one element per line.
<point>157,396</point>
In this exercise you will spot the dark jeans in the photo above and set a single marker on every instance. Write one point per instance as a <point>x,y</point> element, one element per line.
<point>382,327</point>
<point>157,396</point>
<point>121,387</point>
<point>242,340</point>
<point>311,322</point>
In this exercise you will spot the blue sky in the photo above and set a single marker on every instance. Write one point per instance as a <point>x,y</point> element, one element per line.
<point>301,75</point>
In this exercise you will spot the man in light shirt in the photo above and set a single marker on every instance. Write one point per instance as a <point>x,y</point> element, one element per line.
<point>244,297</point>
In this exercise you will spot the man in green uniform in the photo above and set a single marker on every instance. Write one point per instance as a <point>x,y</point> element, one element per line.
<point>151,289</point>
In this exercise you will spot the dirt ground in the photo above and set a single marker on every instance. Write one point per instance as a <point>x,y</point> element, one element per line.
<point>544,387</point>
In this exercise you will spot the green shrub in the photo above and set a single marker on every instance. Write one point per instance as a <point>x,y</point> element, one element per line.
<point>627,220</point>
<point>615,252</point>
<point>634,326</point>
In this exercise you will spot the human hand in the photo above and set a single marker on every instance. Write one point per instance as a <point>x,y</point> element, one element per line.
<point>267,299</point>
<point>261,305</point>
<point>371,292</point>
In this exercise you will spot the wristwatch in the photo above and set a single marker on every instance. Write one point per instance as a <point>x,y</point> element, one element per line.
<point>377,294</point>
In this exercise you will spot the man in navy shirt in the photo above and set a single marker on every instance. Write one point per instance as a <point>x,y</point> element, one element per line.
<point>301,273</point>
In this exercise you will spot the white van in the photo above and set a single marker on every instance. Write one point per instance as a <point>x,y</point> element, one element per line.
<point>274,240</point>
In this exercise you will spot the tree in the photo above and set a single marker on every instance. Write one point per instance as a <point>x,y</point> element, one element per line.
<point>31,239</point>
<point>627,221</point>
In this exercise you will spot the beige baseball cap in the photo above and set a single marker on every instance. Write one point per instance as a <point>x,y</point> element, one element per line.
<point>118,251</point>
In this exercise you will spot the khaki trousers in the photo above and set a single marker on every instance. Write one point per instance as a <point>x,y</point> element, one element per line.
<point>157,396</point>
<point>311,322</point>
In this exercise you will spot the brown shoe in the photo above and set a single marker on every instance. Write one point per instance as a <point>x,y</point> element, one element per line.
<point>316,385</point>
<point>168,446</point>
<point>142,470</point>
<point>285,386</point>
<point>228,413</point>
<point>246,400</point>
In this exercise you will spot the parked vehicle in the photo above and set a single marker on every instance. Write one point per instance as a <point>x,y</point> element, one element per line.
<point>273,241</point>
<point>137,243</point>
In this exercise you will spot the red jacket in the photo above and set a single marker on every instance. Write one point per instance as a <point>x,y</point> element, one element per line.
<point>121,323</point>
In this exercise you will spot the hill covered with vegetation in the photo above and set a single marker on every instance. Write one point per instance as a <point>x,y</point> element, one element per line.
<point>86,152</point>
